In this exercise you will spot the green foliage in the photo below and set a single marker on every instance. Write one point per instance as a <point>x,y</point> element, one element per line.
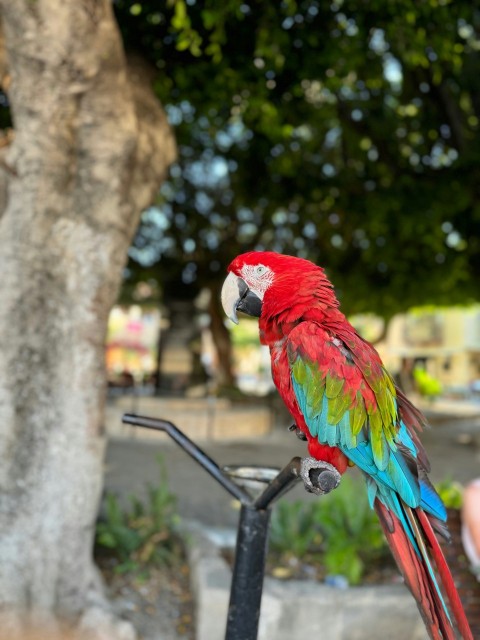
<point>427,385</point>
<point>343,132</point>
<point>362,539</point>
<point>339,531</point>
<point>451,493</point>
<point>295,529</point>
<point>146,532</point>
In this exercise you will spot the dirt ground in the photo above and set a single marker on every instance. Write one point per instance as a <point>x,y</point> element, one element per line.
<point>159,605</point>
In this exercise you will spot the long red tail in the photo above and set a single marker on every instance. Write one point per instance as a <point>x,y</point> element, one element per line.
<point>445,576</point>
<point>418,574</point>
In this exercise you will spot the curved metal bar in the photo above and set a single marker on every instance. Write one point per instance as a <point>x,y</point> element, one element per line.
<point>193,450</point>
<point>286,479</point>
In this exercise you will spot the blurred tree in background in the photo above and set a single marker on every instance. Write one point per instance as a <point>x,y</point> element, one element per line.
<point>343,132</point>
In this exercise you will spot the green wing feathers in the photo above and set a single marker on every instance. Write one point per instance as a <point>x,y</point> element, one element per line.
<point>346,397</point>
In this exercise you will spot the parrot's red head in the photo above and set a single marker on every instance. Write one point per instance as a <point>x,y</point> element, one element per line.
<point>266,284</point>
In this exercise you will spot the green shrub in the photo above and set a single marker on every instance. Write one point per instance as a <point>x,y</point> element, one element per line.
<point>451,493</point>
<point>353,536</point>
<point>294,530</point>
<point>339,531</point>
<point>146,532</point>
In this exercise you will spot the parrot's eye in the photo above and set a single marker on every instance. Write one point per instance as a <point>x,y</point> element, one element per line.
<point>257,277</point>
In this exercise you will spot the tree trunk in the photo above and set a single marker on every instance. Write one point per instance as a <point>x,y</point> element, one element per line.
<point>221,338</point>
<point>91,147</point>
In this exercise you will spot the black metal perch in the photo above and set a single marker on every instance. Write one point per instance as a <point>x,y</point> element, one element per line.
<point>252,535</point>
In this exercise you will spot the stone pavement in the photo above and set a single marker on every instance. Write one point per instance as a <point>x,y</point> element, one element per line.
<point>452,443</point>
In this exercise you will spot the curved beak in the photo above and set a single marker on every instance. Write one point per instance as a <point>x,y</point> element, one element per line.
<point>236,296</point>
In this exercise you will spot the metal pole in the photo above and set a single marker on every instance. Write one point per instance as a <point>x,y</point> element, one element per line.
<point>248,573</point>
<point>252,537</point>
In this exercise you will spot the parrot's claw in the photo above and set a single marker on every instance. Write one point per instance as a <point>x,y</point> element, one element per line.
<point>298,432</point>
<point>319,477</point>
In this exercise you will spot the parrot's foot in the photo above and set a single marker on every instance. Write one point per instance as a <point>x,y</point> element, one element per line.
<point>298,432</point>
<point>319,477</point>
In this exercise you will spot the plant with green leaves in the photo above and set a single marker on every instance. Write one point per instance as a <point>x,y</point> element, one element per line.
<point>144,534</point>
<point>451,493</point>
<point>352,534</point>
<point>339,531</point>
<point>294,530</point>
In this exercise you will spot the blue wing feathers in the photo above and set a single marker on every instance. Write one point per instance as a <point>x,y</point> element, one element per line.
<point>372,489</point>
<point>403,480</point>
<point>431,502</point>
<point>405,438</point>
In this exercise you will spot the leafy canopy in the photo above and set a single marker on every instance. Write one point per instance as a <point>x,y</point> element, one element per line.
<point>343,132</point>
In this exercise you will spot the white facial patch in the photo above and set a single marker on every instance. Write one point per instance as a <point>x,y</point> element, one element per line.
<point>258,278</point>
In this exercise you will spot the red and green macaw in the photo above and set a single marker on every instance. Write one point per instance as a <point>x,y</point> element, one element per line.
<point>347,406</point>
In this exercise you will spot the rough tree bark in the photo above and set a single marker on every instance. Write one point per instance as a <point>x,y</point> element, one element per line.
<point>91,146</point>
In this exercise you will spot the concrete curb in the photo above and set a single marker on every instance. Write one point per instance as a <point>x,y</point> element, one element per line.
<point>298,609</point>
<point>210,579</point>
